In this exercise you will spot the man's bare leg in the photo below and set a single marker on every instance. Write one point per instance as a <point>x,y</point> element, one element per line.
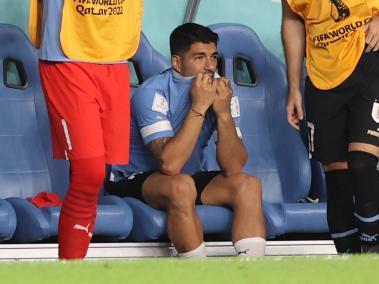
<point>177,195</point>
<point>244,194</point>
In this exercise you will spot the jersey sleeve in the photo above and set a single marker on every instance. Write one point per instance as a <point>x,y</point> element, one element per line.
<point>150,109</point>
<point>298,6</point>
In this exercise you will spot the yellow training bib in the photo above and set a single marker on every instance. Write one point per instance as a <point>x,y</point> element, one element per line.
<point>35,20</point>
<point>101,30</point>
<point>335,37</point>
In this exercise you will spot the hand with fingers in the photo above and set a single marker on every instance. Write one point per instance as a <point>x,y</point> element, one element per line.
<point>203,92</point>
<point>224,93</point>
<point>372,35</point>
<point>294,109</point>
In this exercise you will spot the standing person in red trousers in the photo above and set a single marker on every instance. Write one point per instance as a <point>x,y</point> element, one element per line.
<point>83,52</point>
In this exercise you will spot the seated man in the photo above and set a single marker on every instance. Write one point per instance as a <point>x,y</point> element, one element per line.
<point>174,114</point>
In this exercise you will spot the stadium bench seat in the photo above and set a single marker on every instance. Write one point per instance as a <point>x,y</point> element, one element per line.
<point>7,218</point>
<point>277,154</point>
<point>26,164</point>
<point>146,62</point>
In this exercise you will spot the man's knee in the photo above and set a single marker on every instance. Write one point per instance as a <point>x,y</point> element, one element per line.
<point>181,192</point>
<point>245,188</point>
<point>88,174</point>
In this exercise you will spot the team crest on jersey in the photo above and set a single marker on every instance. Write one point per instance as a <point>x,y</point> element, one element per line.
<point>375,111</point>
<point>160,104</point>
<point>339,10</point>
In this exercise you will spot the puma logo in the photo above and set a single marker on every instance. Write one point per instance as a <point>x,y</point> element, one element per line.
<point>132,176</point>
<point>243,252</point>
<point>342,10</point>
<point>368,238</point>
<point>82,228</point>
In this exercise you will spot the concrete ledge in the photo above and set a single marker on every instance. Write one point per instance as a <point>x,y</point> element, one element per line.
<point>146,250</point>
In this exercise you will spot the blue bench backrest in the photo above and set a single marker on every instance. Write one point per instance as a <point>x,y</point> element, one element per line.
<point>25,147</point>
<point>148,60</point>
<point>276,153</point>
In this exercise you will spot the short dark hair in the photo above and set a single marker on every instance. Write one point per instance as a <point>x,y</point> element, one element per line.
<point>187,34</point>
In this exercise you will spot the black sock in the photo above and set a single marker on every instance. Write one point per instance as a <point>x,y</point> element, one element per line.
<point>340,212</point>
<point>362,167</point>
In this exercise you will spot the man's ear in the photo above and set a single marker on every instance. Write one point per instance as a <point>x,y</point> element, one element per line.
<point>176,63</point>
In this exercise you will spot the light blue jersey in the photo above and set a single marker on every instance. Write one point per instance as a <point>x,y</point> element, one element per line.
<point>51,49</point>
<point>158,109</point>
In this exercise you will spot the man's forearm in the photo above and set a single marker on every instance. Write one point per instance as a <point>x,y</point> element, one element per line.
<point>231,153</point>
<point>293,36</point>
<point>178,149</point>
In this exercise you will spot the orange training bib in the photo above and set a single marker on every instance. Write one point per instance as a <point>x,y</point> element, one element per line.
<point>335,37</point>
<point>101,30</point>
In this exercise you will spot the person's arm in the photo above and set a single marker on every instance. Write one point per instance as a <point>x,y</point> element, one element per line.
<point>293,36</point>
<point>173,153</point>
<point>372,34</point>
<point>230,151</point>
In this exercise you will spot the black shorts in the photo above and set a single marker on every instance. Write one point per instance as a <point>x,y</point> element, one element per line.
<point>132,186</point>
<point>345,114</point>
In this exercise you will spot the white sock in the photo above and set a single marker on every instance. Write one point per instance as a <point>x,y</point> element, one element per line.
<point>250,247</point>
<point>198,252</point>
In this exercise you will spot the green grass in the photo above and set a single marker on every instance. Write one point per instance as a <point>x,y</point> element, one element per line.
<point>304,270</point>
